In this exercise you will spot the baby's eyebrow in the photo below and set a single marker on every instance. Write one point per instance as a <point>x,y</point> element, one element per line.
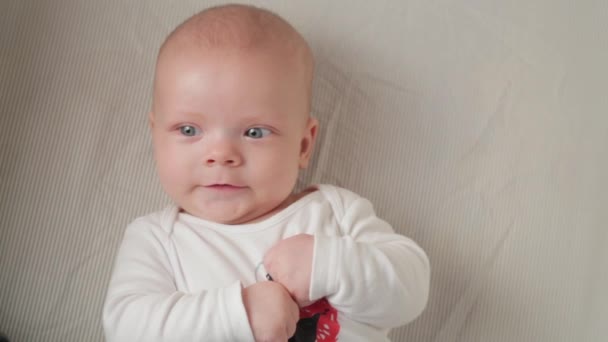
<point>178,117</point>
<point>255,118</point>
<point>186,112</point>
<point>187,115</point>
<point>261,116</point>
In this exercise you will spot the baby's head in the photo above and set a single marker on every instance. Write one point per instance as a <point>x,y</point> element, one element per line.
<point>230,118</point>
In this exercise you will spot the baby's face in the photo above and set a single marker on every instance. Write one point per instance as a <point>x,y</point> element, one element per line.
<point>230,132</point>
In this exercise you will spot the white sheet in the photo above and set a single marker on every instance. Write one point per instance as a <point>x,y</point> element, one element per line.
<point>478,128</point>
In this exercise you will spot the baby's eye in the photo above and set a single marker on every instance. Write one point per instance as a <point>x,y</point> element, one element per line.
<point>189,130</point>
<point>257,132</point>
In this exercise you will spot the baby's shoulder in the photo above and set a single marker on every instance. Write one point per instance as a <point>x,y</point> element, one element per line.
<point>161,221</point>
<point>338,192</point>
<point>340,198</point>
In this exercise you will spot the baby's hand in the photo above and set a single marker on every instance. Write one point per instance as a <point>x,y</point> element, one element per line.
<point>289,262</point>
<point>272,313</point>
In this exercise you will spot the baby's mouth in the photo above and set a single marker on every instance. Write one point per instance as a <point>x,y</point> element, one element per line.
<point>224,187</point>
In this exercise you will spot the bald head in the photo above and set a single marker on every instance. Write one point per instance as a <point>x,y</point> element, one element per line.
<point>236,27</point>
<point>239,28</point>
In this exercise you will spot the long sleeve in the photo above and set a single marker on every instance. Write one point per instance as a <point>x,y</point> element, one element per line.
<point>370,273</point>
<point>142,303</point>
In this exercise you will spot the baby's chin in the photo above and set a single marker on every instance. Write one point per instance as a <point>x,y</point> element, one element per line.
<point>241,207</point>
<point>227,215</point>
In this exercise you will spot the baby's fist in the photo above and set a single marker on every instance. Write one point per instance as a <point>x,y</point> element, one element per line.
<point>289,262</point>
<point>272,313</point>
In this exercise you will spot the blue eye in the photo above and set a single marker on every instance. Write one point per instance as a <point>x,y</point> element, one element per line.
<point>257,132</point>
<point>189,130</point>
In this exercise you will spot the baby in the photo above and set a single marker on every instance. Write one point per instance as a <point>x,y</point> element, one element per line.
<point>240,256</point>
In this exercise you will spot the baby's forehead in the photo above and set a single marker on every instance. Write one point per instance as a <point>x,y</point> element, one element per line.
<point>240,29</point>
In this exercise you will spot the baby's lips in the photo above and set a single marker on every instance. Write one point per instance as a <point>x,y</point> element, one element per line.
<point>221,185</point>
<point>224,187</point>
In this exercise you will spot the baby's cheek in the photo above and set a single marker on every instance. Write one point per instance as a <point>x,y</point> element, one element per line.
<point>282,168</point>
<point>172,169</point>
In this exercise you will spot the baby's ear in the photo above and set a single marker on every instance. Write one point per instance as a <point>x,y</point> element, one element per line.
<point>308,142</point>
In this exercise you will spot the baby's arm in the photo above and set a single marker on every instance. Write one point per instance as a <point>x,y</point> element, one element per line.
<point>143,304</point>
<point>369,273</point>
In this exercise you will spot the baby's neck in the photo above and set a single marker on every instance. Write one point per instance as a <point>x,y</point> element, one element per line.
<point>286,203</point>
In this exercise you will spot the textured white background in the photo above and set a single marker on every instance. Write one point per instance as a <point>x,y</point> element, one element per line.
<point>478,128</point>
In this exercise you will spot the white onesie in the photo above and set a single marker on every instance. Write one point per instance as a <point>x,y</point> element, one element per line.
<point>179,278</point>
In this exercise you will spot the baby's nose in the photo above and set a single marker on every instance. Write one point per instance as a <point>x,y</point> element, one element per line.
<point>222,161</point>
<point>224,154</point>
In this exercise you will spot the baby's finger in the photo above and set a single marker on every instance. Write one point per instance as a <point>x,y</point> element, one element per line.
<point>294,314</point>
<point>290,329</point>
